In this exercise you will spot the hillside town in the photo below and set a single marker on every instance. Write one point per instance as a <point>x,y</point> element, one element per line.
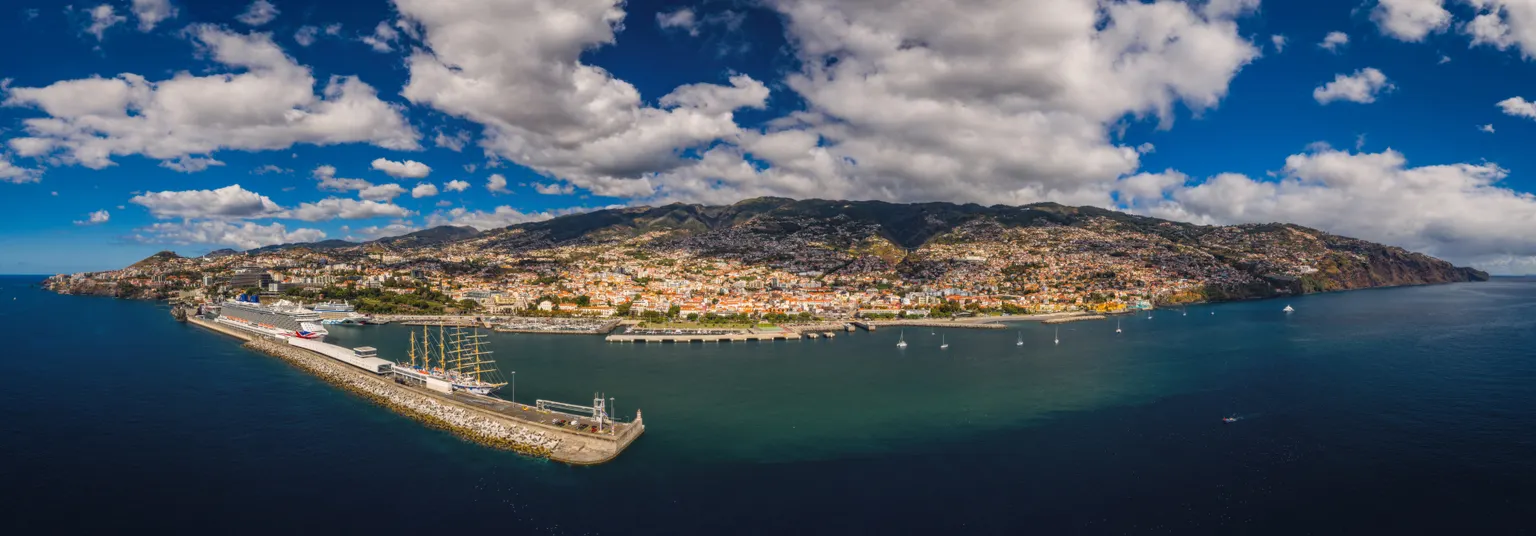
<point>782,269</point>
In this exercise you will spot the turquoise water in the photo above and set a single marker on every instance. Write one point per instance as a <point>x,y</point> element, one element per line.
<point>1399,409</point>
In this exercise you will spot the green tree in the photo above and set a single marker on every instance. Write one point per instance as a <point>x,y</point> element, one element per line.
<point>583,301</point>
<point>673,311</point>
<point>623,309</point>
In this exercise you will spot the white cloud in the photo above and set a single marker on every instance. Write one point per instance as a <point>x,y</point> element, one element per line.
<point>553,188</point>
<point>1334,41</point>
<point>1444,59</point>
<point>1017,109</point>
<point>381,192</point>
<point>16,174</point>
<point>95,218</point>
<point>306,35</point>
<point>271,168</point>
<point>1518,107</point>
<point>270,105</point>
<point>330,182</point>
<point>151,12</point>
<point>425,189</point>
<point>409,169</point>
<point>514,67</point>
<point>383,38</point>
<point>1411,20</point>
<point>1363,86</point>
<point>502,216</point>
<point>1486,128</point>
<point>258,13</point>
<point>456,186</point>
<point>455,142</point>
<point>1456,211</point>
<point>347,209</point>
<point>244,236</point>
<point>102,18</point>
<point>395,228</point>
<point>682,19</point>
<point>190,164</point>
<point>227,202</point>
<point>497,184</point>
<point>1279,41</point>
<point>1503,24</point>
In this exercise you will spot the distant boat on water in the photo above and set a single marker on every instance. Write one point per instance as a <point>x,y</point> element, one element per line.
<point>1058,335</point>
<point>1117,325</point>
<point>1288,309</point>
<point>943,343</point>
<point>902,342</point>
<point>1021,339</point>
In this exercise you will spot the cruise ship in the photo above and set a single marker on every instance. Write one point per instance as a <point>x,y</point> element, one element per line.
<point>284,319</point>
<point>341,313</point>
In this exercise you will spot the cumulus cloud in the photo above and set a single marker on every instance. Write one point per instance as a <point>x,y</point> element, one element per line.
<point>227,202</point>
<point>1334,41</point>
<point>553,189</point>
<point>306,35</point>
<point>269,104</point>
<point>272,168</point>
<point>409,169</point>
<point>514,67</point>
<point>1363,86</point>
<point>102,18</point>
<point>502,216</point>
<point>682,19</point>
<point>1486,128</point>
<point>395,228</point>
<point>18,175</point>
<point>1411,20</point>
<point>381,192</point>
<point>1456,211</point>
<point>95,218</point>
<point>346,209</point>
<point>383,38</point>
<point>244,236</point>
<point>1019,108</point>
<point>190,164</point>
<point>330,182</point>
<point>151,12</point>
<point>497,184</point>
<point>1503,24</point>
<point>1518,107</point>
<point>456,186</point>
<point>1279,41</point>
<point>454,142</point>
<point>425,189</point>
<point>258,13</point>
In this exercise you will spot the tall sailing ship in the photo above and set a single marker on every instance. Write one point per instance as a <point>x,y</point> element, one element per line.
<point>457,356</point>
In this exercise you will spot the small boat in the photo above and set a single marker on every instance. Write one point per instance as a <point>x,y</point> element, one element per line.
<point>902,343</point>
<point>1021,339</point>
<point>1117,325</point>
<point>1288,309</point>
<point>1058,335</point>
<point>943,343</point>
<point>1229,419</point>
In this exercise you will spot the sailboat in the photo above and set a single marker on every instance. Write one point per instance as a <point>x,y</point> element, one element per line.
<point>1117,325</point>
<point>1021,339</point>
<point>902,343</point>
<point>1058,335</point>
<point>1288,309</point>
<point>943,343</point>
<point>461,360</point>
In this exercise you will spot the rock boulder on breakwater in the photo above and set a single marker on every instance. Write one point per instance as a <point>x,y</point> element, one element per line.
<point>462,422</point>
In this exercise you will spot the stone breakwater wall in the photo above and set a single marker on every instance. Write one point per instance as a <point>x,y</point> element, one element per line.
<point>459,421</point>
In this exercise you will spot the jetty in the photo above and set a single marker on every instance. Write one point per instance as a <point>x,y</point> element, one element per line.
<point>1074,318</point>
<point>543,430</point>
<point>784,335</point>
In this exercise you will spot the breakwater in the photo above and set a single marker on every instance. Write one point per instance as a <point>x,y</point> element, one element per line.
<point>492,422</point>
<point>1075,318</point>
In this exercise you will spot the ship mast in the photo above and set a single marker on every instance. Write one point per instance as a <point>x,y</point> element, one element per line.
<point>442,351</point>
<point>412,354</point>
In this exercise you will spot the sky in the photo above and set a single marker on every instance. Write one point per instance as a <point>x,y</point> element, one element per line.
<point>133,126</point>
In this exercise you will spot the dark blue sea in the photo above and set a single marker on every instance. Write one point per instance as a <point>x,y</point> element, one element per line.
<point>1394,411</point>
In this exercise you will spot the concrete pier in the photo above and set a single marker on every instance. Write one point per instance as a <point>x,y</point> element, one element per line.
<point>785,335</point>
<point>486,420</point>
<point>1079,318</point>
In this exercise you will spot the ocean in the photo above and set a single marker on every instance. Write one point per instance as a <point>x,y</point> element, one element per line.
<point>1408,410</point>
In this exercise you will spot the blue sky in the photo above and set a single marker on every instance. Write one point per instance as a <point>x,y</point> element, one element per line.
<point>1186,110</point>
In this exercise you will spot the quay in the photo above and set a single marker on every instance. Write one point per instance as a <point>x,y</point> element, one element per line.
<point>494,422</point>
<point>1074,318</point>
<point>785,335</point>
<point>935,324</point>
